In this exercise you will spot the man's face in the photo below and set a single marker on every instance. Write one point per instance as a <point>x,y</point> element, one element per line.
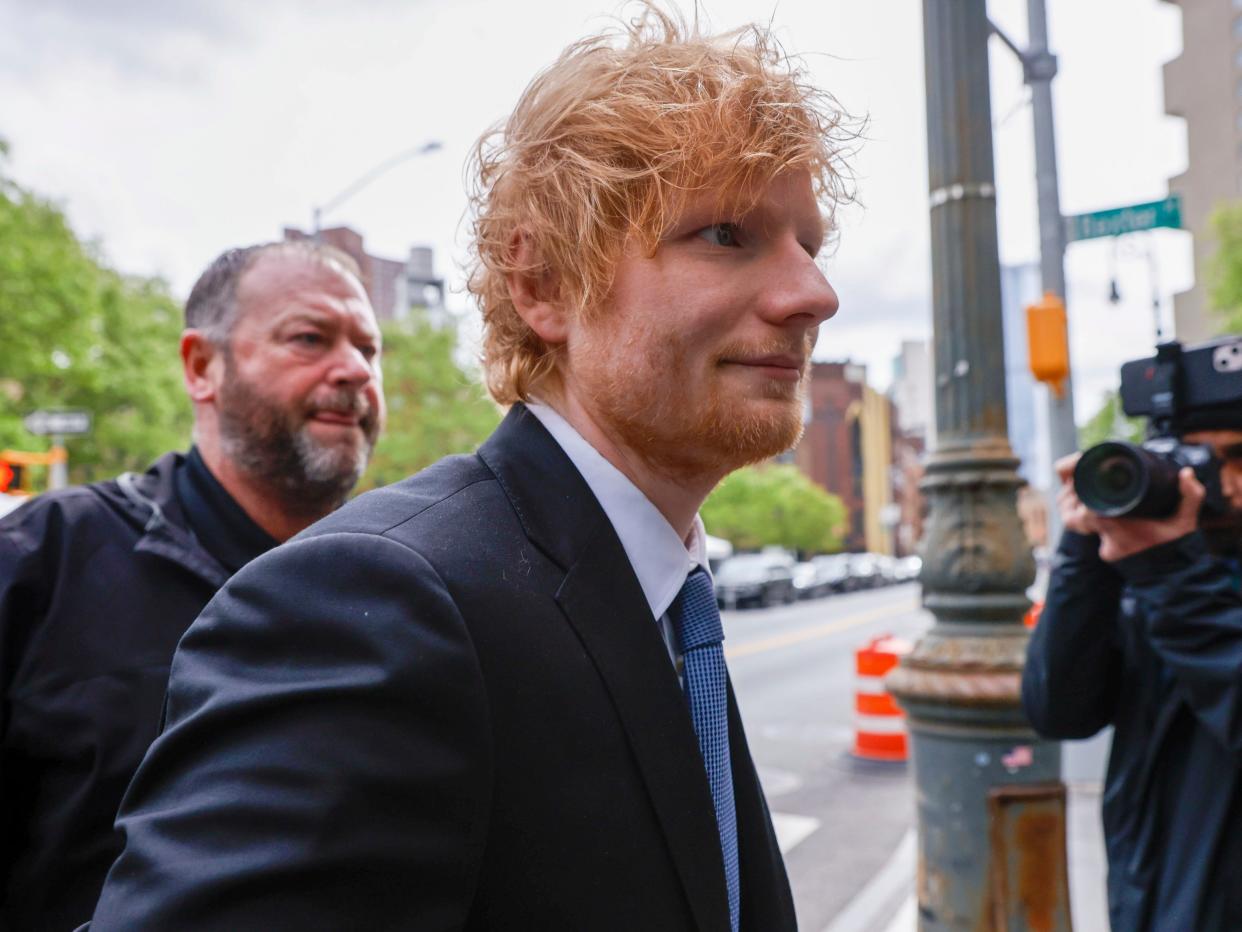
<point>1227,446</point>
<point>300,403</point>
<point>697,361</point>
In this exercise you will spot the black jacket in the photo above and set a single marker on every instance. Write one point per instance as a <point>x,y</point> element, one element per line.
<point>444,707</point>
<point>97,585</point>
<point>1152,646</point>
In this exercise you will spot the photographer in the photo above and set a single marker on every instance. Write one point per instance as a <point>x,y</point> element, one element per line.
<point>1142,630</point>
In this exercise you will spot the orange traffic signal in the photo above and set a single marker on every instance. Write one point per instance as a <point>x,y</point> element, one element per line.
<point>1048,341</point>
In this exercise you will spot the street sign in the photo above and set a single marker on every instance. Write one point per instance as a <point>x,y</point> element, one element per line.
<point>58,423</point>
<point>1122,220</point>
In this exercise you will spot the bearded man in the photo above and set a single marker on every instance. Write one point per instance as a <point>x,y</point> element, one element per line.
<point>98,583</point>
<point>493,696</point>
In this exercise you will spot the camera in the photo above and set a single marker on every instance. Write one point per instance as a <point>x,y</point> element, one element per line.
<point>1179,390</point>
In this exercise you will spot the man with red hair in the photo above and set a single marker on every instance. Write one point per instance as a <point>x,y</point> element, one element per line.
<point>494,696</point>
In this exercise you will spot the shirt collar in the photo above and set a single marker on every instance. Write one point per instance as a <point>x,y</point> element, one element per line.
<point>661,560</point>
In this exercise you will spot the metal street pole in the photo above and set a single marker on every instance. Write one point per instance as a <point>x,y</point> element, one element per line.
<point>1039,67</point>
<point>990,804</point>
<point>58,469</point>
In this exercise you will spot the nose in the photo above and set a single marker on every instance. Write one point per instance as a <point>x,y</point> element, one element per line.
<point>1230,486</point>
<point>795,291</point>
<point>350,367</point>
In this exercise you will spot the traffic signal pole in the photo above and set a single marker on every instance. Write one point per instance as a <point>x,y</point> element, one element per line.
<point>991,808</point>
<point>1039,67</point>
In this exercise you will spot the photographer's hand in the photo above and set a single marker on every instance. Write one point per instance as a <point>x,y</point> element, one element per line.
<point>1123,537</point>
<point>1075,516</point>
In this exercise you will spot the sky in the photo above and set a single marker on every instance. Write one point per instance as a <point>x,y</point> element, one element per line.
<point>170,130</point>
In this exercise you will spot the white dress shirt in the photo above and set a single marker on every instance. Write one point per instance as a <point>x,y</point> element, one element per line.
<point>659,557</point>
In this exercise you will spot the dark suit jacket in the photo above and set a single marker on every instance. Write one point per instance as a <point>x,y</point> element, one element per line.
<point>446,706</point>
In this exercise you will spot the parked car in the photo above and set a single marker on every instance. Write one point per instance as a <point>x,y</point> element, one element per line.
<point>908,568</point>
<point>834,569</point>
<point>755,579</point>
<point>808,581</point>
<point>865,571</point>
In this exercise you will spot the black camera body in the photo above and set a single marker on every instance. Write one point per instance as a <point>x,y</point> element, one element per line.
<point>1179,390</point>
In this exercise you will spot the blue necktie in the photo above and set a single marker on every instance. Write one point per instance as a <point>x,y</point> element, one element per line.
<point>698,627</point>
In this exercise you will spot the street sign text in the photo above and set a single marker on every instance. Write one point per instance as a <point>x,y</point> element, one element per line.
<point>1122,220</point>
<point>45,423</point>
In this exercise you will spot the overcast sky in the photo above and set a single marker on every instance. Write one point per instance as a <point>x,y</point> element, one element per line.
<point>173,129</point>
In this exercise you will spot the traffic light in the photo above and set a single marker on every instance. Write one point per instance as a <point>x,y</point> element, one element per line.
<point>1048,341</point>
<point>10,477</point>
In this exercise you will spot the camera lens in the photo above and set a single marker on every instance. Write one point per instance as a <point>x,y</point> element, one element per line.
<point>1116,479</point>
<point>1119,480</point>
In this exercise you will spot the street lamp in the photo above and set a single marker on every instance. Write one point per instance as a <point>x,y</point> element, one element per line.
<point>990,802</point>
<point>433,145</point>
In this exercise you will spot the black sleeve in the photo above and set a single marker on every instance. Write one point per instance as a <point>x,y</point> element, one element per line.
<point>1073,664</point>
<point>325,762</point>
<point>1192,609</point>
<point>27,574</point>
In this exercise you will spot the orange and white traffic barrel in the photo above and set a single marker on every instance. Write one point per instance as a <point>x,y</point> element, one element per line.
<point>879,725</point>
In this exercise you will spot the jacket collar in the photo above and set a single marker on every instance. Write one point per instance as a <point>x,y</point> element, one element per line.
<point>551,499</point>
<point>149,501</point>
<point>603,601</point>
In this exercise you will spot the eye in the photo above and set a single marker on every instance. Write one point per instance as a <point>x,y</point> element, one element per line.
<point>308,338</point>
<point>368,350</point>
<point>721,234</point>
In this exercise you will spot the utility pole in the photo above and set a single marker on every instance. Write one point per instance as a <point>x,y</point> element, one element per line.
<point>991,807</point>
<point>1039,67</point>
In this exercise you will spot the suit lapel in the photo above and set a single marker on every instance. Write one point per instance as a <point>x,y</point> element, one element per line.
<point>603,601</point>
<point>767,902</point>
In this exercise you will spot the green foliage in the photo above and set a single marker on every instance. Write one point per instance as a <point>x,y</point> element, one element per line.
<point>76,334</point>
<point>434,407</point>
<point>1225,268</point>
<point>1110,423</point>
<point>775,505</point>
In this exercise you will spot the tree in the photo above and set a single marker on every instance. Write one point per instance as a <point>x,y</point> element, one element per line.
<point>1225,267</point>
<point>434,406</point>
<point>1110,423</point>
<point>775,505</point>
<point>77,334</point>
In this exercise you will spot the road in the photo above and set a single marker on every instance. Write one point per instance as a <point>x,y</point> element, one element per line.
<point>840,820</point>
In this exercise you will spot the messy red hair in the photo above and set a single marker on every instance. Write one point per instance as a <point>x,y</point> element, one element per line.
<point>604,146</point>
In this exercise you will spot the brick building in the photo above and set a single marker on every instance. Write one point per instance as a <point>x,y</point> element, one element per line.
<point>393,286</point>
<point>848,448</point>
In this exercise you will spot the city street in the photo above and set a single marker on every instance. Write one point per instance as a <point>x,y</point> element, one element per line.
<point>840,820</point>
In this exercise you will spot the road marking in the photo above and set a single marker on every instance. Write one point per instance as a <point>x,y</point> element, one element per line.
<point>907,918</point>
<point>777,782</point>
<point>792,830</point>
<point>801,636</point>
<point>894,881</point>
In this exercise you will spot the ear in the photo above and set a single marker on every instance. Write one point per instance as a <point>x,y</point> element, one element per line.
<point>201,365</point>
<point>534,293</point>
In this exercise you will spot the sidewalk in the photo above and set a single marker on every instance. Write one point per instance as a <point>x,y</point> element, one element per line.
<point>887,903</point>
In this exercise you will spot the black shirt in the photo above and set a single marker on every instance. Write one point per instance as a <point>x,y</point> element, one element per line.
<point>221,526</point>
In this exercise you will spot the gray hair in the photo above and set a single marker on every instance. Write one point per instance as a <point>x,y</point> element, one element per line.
<point>212,305</point>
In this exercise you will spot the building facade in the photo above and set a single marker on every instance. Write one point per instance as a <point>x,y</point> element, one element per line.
<point>1203,86</point>
<point>847,449</point>
<point>393,286</point>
